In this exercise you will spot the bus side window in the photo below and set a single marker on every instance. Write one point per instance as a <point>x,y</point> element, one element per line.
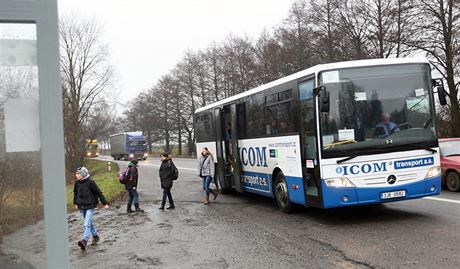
<point>281,113</point>
<point>255,116</point>
<point>241,123</point>
<point>204,128</point>
<point>310,147</point>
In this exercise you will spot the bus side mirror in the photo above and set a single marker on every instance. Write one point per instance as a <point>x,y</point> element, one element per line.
<point>324,98</point>
<point>441,91</point>
<point>324,101</point>
<point>442,95</point>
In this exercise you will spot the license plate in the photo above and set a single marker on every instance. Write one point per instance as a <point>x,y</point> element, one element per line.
<point>393,194</point>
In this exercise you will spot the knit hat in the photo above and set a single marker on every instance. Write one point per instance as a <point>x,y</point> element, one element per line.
<point>83,171</point>
<point>132,163</point>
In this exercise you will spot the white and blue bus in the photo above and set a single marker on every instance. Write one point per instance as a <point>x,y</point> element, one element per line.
<point>333,135</point>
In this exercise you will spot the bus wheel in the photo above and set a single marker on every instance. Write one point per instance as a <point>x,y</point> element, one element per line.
<point>282,193</point>
<point>453,181</point>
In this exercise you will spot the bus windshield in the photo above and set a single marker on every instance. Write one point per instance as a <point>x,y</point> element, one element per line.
<point>92,146</point>
<point>137,143</point>
<point>377,109</point>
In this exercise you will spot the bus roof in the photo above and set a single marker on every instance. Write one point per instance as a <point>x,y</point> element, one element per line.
<point>313,70</point>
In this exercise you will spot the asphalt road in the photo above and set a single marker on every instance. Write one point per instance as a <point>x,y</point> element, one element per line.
<point>248,231</point>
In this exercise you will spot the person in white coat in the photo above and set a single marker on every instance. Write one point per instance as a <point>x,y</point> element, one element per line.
<point>206,169</point>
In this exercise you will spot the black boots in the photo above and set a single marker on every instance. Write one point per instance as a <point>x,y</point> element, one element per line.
<point>128,209</point>
<point>136,206</point>
<point>171,206</point>
<point>82,244</point>
<point>138,209</point>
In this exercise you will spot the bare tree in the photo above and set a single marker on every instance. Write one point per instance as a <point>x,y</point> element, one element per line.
<point>295,36</point>
<point>268,58</point>
<point>186,77</point>
<point>86,78</point>
<point>353,24</point>
<point>325,20</point>
<point>141,114</point>
<point>100,123</point>
<point>162,93</point>
<point>213,57</point>
<point>439,37</point>
<point>240,68</point>
<point>390,24</point>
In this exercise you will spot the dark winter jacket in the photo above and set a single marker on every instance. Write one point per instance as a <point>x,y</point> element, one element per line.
<point>166,173</point>
<point>86,194</point>
<point>133,175</point>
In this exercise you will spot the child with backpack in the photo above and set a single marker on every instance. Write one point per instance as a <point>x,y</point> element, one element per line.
<point>168,173</point>
<point>131,179</point>
<point>85,198</point>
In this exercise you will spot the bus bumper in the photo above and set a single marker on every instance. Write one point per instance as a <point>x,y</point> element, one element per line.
<point>339,197</point>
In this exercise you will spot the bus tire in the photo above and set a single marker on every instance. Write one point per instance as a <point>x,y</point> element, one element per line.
<point>281,193</point>
<point>453,181</point>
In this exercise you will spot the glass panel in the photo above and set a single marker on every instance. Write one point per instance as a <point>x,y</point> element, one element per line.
<point>21,191</point>
<point>282,118</point>
<point>450,148</point>
<point>204,130</point>
<point>255,115</point>
<point>307,112</point>
<point>308,129</point>
<point>377,109</point>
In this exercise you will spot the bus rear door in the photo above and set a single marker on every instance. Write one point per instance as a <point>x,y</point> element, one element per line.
<point>228,170</point>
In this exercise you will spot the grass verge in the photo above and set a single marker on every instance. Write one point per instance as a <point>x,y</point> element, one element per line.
<point>107,181</point>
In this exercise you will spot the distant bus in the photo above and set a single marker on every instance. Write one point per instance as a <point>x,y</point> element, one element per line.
<point>91,148</point>
<point>334,135</point>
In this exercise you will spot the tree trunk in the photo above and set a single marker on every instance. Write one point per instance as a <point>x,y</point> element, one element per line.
<point>149,140</point>
<point>179,141</point>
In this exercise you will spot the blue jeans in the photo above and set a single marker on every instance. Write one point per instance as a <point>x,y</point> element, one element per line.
<point>89,227</point>
<point>133,197</point>
<point>206,182</point>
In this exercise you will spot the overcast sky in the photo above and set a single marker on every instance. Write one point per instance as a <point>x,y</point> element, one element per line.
<point>148,37</point>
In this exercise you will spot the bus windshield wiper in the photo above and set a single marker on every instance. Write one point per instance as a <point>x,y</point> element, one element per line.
<point>412,145</point>
<point>389,146</point>
<point>347,158</point>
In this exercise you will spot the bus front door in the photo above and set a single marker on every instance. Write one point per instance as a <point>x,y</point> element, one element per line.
<point>221,177</point>
<point>309,142</point>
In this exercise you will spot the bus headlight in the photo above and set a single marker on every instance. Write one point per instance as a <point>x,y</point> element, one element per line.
<point>146,154</point>
<point>131,155</point>
<point>339,182</point>
<point>433,171</point>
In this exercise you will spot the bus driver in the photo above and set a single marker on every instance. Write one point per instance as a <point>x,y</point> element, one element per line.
<point>385,127</point>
